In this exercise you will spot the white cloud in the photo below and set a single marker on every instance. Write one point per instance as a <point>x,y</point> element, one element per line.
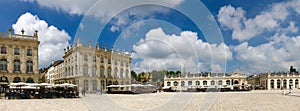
<point>161,51</point>
<point>277,55</point>
<point>52,40</point>
<point>104,9</point>
<point>270,20</point>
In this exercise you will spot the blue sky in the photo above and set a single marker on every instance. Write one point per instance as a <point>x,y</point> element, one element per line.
<point>248,36</point>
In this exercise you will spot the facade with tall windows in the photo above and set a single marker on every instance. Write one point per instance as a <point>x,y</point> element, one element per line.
<point>18,58</point>
<point>275,80</point>
<point>206,80</point>
<point>93,68</point>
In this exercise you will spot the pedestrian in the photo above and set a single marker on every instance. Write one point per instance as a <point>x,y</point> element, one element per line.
<point>83,92</point>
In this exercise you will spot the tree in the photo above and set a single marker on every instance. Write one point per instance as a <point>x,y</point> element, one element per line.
<point>133,75</point>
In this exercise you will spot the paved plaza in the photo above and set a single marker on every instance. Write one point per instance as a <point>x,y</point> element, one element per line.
<point>211,101</point>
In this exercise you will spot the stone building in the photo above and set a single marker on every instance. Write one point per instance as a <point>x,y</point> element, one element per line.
<point>276,80</point>
<point>93,68</point>
<point>18,58</point>
<point>206,80</point>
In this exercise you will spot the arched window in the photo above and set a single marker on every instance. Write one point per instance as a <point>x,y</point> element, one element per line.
<point>17,79</point>
<point>94,71</point>
<point>86,85</point>
<point>101,71</point>
<point>212,82</point>
<point>205,83</point>
<point>116,73</point>
<point>122,73</point>
<point>227,82</point>
<point>3,64</point>
<point>220,82</point>
<point>116,62</point>
<point>278,83</point>
<point>29,80</point>
<point>29,66</point>
<point>175,83</point>
<point>291,83</point>
<point>272,83</point>
<point>284,84</point>
<point>85,70</point>
<point>296,83</point>
<point>197,83</point>
<point>168,83</point>
<point>182,83</point>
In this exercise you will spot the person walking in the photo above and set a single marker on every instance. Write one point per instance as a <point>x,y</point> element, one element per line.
<point>83,92</point>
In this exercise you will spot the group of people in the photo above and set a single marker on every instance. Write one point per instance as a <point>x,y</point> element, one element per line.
<point>39,94</point>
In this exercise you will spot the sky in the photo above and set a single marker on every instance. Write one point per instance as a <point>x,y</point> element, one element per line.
<point>248,36</point>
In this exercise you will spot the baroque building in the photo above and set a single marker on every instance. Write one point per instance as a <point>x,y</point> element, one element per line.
<point>206,80</point>
<point>92,68</point>
<point>18,58</point>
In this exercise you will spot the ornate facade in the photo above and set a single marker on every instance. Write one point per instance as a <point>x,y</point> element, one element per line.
<point>275,80</point>
<point>206,80</point>
<point>18,57</point>
<point>93,68</point>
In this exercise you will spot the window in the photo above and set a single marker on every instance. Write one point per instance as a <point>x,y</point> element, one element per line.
<point>102,60</point>
<point>16,65</point>
<point>296,83</point>
<point>121,73</point>
<point>86,85</point>
<point>278,83</point>
<point>94,58</point>
<point>127,73</point>
<point>190,83</point>
<point>197,83</point>
<point>122,63</point>
<point>168,83</point>
<point>227,82</point>
<point>109,61</point>
<point>116,73</point>
<point>75,58</point>
<point>94,71</point>
<point>3,50</point>
<point>109,72</point>
<point>76,69</point>
<point>29,52</point>
<point>220,82</point>
<point>175,83</point>
<point>29,66</point>
<point>17,79</point>
<point>272,83</point>
<point>3,64</point>
<point>94,85</point>
<point>85,70</point>
<point>102,71</point>
<point>116,62</point>
<point>17,51</point>
<point>284,83</point>
<point>212,82</point>
<point>204,82</point>
<point>85,57</point>
<point>182,83</point>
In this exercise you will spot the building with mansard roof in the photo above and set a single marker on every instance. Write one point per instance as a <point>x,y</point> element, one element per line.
<point>93,68</point>
<point>18,58</point>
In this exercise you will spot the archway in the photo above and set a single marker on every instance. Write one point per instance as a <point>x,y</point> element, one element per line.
<point>29,80</point>
<point>17,79</point>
